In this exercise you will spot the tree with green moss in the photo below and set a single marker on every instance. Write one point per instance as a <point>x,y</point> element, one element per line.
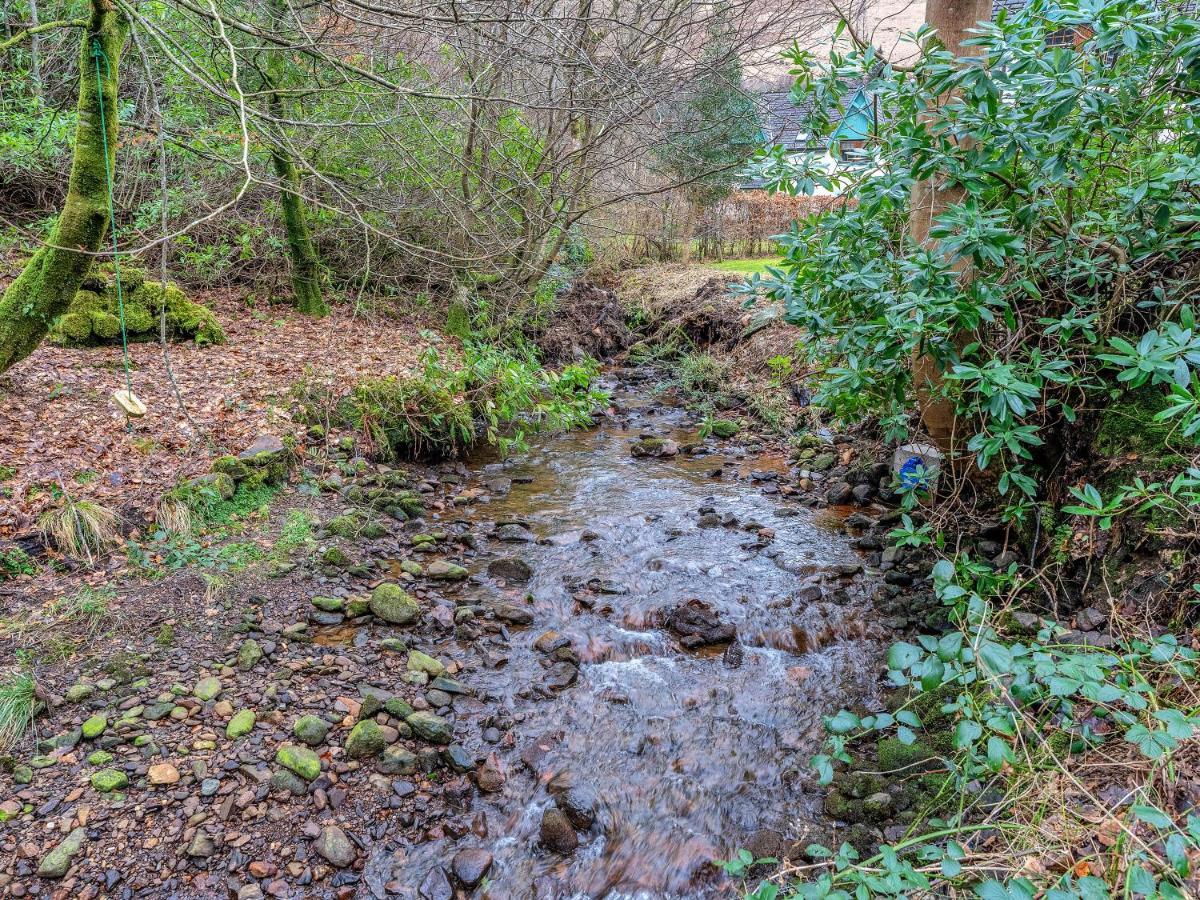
<point>307,273</point>
<point>48,283</point>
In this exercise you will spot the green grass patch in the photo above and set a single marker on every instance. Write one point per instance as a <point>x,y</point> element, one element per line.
<point>249,500</point>
<point>744,266</point>
<point>297,532</point>
<point>18,706</point>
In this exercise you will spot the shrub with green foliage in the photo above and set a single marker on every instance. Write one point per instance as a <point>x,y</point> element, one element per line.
<point>94,315</point>
<point>1057,304</point>
<point>1077,225</point>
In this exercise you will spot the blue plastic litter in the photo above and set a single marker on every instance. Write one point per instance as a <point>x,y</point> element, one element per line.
<point>912,473</point>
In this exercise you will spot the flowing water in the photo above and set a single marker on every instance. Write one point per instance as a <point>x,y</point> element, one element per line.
<point>686,754</point>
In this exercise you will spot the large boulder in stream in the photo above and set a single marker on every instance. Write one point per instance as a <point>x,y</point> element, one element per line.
<point>697,624</point>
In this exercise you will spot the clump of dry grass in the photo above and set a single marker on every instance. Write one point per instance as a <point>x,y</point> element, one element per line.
<point>81,529</point>
<point>173,516</point>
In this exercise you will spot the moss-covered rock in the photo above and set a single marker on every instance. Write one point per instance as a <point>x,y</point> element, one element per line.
<point>310,730</point>
<point>93,317</point>
<point>365,740</point>
<point>241,724</point>
<point>301,760</point>
<point>394,605</point>
<point>231,467</point>
<point>108,780</point>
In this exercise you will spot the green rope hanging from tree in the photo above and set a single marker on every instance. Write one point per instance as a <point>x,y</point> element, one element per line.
<point>126,400</point>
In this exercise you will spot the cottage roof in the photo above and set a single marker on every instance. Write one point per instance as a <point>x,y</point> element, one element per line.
<point>789,123</point>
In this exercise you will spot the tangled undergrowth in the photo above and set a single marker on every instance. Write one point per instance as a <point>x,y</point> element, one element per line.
<point>495,395</point>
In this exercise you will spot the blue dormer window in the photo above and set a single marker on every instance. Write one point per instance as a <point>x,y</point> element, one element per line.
<point>858,124</point>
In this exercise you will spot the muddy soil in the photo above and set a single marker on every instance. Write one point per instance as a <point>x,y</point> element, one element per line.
<point>625,642</point>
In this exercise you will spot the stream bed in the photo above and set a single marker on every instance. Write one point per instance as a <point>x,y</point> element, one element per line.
<point>663,758</point>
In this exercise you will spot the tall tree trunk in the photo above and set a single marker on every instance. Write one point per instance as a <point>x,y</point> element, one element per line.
<point>307,274</point>
<point>951,19</point>
<point>48,283</point>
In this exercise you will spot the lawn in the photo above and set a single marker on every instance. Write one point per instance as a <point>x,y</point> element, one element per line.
<point>744,266</point>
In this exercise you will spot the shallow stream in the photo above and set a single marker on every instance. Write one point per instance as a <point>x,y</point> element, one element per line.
<point>686,753</point>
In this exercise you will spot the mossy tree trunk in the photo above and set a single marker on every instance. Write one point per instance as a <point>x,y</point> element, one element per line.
<point>306,267</point>
<point>307,274</point>
<point>48,283</point>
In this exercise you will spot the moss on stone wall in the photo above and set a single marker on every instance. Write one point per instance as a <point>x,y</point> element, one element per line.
<point>93,317</point>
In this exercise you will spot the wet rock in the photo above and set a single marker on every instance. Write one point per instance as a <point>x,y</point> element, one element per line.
<point>490,778</point>
<point>765,844</point>
<point>735,654</point>
<point>394,605</point>
<point>653,447</point>
<point>56,863</point>
<point>561,676</point>
<point>578,802</point>
<point>449,685</point>
<point>513,614</point>
<point>498,484</point>
<point>515,533</point>
<point>697,625</point>
<point>431,727</point>
<point>436,886</point>
<point>443,570</point>
<point>859,521</point>
<point>511,569</point>
<point>398,761</point>
<point>556,832</point>
<point>840,494</point>
<point>310,730</point>
<point>335,847</point>
<point>458,759</point>
<point>471,865</point>
<point>549,641</point>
